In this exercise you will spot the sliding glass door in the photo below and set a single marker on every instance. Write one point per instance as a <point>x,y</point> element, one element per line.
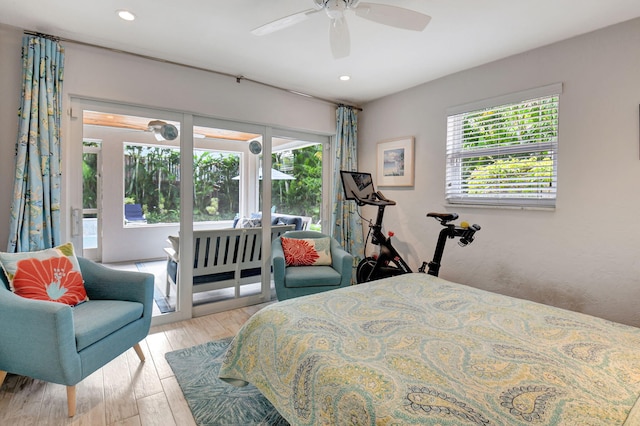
<point>132,207</point>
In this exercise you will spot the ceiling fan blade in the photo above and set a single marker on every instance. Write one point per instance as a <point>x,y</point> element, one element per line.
<point>394,16</point>
<point>282,23</point>
<point>339,38</point>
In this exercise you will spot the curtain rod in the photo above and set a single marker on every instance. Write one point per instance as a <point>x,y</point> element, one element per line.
<point>238,78</point>
<point>47,36</point>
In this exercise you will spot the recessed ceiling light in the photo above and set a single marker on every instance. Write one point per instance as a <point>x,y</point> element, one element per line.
<point>126,15</point>
<point>345,77</point>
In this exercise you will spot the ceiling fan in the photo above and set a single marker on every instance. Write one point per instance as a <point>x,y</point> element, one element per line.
<point>339,39</point>
<point>162,130</point>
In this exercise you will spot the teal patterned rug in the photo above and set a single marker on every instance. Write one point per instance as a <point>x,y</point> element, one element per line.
<point>212,401</point>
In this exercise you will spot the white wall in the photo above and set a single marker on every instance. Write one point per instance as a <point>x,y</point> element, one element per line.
<point>584,255</point>
<point>10,75</point>
<point>99,74</point>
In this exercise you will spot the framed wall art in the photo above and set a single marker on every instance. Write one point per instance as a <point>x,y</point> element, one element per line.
<point>395,162</point>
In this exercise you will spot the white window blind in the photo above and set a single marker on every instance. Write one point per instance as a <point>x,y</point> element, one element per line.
<point>505,154</point>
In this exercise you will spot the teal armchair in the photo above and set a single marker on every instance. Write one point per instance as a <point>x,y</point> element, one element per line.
<point>61,344</point>
<point>295,281</point>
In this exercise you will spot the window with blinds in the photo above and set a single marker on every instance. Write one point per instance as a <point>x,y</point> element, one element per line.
<point>504,154</point>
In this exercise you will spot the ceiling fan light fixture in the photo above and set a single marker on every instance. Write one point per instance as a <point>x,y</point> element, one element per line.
<point>345,77</point>
<point>335,8</point>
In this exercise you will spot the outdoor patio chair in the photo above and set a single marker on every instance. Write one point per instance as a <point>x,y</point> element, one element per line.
<point>134,213</point>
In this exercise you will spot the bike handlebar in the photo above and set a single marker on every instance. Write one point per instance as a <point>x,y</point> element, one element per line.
<point>465,231</point>
<point>468,234</point>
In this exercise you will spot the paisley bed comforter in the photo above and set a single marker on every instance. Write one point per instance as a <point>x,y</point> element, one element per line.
<point>416,349</point>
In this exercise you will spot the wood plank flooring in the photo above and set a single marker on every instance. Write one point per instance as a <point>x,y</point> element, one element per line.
<point>125,392</point>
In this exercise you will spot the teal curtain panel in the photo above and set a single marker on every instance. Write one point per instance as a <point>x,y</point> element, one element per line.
<point>35,209</point>
<point>347,225</point>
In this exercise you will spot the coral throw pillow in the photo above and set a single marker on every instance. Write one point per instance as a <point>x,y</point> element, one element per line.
<point>306,251</point>
<point>52,274</point>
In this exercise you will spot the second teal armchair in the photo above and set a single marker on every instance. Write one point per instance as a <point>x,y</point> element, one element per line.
<point>295,281</point>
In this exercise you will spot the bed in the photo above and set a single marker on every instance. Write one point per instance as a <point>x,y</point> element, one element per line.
<point>417,349</point>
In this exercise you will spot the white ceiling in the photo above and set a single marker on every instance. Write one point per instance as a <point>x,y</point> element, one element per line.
<point>215,34</point>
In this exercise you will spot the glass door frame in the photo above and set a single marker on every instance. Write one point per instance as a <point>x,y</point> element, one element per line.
<point>72,197</point>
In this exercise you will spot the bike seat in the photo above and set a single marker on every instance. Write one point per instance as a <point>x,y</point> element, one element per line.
<point>444,217</point>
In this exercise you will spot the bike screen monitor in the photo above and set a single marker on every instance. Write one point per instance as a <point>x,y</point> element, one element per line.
<point>357,186</point>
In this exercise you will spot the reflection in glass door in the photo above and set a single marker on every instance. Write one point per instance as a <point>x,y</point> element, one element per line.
<point>91,194</point>
<point>297,182</point>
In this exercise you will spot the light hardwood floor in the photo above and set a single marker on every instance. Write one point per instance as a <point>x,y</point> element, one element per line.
<point>125,391</point>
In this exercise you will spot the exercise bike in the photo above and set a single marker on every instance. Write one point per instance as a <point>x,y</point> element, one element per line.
<point>359,187</point>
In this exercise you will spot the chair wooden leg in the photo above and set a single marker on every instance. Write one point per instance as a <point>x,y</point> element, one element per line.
<point>71,400</point>
<point>138,350</point>
<point>3,374</point>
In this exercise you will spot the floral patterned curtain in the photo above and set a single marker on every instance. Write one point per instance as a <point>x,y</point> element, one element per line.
<point>35,209</point>
<point>347,225</point>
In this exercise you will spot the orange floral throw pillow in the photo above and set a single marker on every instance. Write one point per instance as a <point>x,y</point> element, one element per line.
<point>52,275</point>
<point>306,251</point>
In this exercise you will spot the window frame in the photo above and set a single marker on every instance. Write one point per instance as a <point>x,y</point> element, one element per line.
<point>456,190</point>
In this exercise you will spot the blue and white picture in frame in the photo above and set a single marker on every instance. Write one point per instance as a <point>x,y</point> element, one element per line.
<point>395,162</point>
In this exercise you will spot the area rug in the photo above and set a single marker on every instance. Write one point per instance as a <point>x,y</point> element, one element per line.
<point>212,401</point>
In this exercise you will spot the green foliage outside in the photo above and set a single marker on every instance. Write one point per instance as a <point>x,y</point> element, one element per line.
<point>89,181</point>
<point>521,124</point>
<point>216,192</point>
<point>152,179</point>
<point>513,175</point>
<point>302,196</point>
